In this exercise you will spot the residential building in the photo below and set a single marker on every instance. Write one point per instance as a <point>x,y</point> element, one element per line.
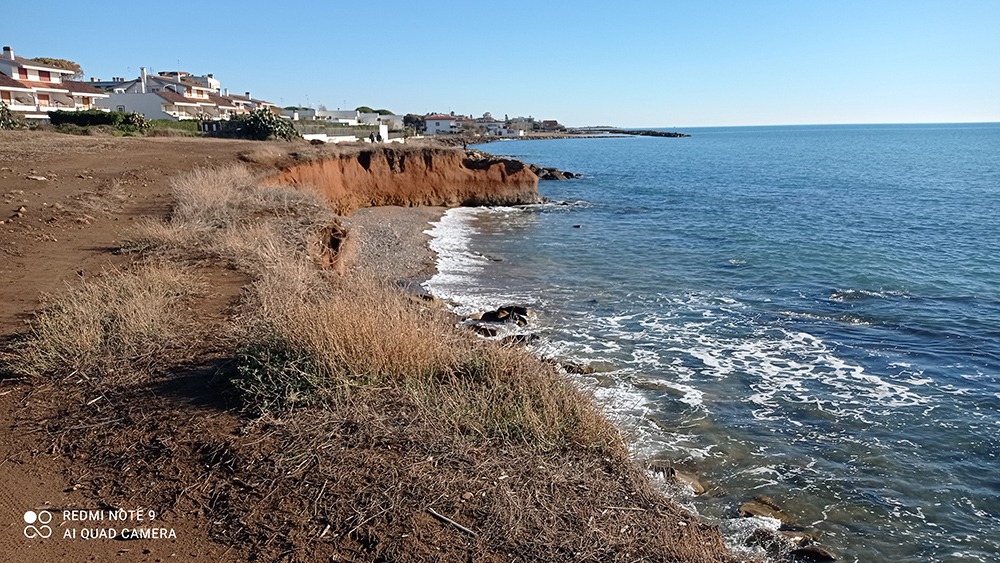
<point>176,95</point>
<point>394,122</point>
<point>341,117</point>
<point>32,89</point>
<point>438,123</point>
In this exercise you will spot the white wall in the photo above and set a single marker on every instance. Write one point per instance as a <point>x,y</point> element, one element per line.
<point>149,105</point>
<point>437,126</point>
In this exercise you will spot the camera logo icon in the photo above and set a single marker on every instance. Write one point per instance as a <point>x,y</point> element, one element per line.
<point>37,524</point>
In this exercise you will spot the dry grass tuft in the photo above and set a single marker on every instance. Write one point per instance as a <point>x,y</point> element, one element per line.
<point>124,320</point>
<point>265,155</point>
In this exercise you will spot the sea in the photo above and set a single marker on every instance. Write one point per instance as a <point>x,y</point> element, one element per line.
<point>810,313</point>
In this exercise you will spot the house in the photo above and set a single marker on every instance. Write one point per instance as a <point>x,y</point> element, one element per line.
<point>33,89</point>
<point>395,122</point>
<point>489,126</point>
<point>552,126</point>
<point>347,117</point>
<point>247,102</point>
<point>176,95</point>
<point>437,124</point>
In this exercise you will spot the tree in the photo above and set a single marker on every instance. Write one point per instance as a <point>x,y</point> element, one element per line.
<point>367,109</point>
<point>63,64</point>
<point>413,120</point>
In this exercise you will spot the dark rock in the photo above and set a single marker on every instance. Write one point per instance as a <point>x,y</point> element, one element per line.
<point>579,369</point>
<point>811,554</point>
<point>766,507</point>
<point>765,539</point>
<point>508,314</point>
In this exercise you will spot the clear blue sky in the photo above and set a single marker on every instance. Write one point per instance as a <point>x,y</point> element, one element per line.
<point>650,63</point>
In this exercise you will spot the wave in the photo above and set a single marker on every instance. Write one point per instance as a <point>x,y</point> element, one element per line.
<point>843,295</point>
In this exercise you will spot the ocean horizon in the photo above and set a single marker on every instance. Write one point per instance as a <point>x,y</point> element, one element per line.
<point>806,312</point>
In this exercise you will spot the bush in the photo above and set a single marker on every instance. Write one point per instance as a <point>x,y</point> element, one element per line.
<point>259,125</point>
<point>188,125</point>
<point>7,118</point>
<point>130,122</point>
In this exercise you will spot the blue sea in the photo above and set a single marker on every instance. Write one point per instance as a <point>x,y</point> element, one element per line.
<point>810,313</point>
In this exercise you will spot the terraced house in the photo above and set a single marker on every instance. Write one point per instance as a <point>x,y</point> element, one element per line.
<point>32,89</point>
<point>176,95</point>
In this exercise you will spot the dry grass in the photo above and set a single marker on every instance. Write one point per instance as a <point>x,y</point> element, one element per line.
<point>124,320</point>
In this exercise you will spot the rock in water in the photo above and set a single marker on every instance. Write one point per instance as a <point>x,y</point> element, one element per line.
<point>766,507</point>
<point>811,554</point>
<point>508,314</point>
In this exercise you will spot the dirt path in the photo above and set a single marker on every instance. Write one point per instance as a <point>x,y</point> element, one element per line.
<point>65,203</point>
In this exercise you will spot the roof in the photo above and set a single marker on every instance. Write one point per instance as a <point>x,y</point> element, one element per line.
<point>82,88</point>
<point>55,87</point>
<point>222,101</point>
<point>7,83</point>
<point>440,116</point>
<point>177,99</point>
<point>239,98</point>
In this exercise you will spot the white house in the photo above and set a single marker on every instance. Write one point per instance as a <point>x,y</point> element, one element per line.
<point>176,95</point>
<point>395,122</point>
<point>34,89</point>
<point>348,117</point>
<point>437,124</point>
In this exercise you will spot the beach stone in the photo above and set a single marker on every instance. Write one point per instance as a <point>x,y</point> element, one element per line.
<point>764,506</point>
<point>811,554</point>
<point>509,314</point>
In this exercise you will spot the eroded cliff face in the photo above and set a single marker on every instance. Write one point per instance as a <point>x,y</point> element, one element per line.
<point>413,176</point>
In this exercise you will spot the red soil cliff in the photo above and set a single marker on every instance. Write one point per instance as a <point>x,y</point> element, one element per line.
<point>413,176</point>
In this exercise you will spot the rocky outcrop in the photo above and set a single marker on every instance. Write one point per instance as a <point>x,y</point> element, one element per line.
<point>552,173</point>
<point>410,177</point>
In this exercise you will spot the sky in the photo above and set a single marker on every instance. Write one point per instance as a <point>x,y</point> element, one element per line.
<point>628,63</point>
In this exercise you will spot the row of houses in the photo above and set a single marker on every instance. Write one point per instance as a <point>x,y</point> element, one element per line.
<point>444,124</point>
<point>176,95</point>
<point>33,89</point>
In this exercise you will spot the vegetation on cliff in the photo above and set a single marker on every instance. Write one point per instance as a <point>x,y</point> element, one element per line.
<point>350,420</point>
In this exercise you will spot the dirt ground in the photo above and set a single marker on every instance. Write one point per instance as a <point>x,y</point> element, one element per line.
<point>64,205</point>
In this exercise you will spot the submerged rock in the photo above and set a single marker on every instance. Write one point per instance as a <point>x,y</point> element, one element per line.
<point>766,507</point>
<point>678,477</point>
<point>811,554</point>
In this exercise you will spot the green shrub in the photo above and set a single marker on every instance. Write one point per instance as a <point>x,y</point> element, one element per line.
<point>7,118</point>
<point>260,125</point>
<point>130,122</point>
<point>188,125</point>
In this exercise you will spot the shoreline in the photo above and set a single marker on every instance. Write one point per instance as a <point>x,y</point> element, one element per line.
<point>500,472</point>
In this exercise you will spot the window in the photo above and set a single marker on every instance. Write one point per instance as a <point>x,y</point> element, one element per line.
<point>44,76</point>
<point>5,96</point>
<point>120,108</point>
<point>43,100</point>
<point>22,73</point>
